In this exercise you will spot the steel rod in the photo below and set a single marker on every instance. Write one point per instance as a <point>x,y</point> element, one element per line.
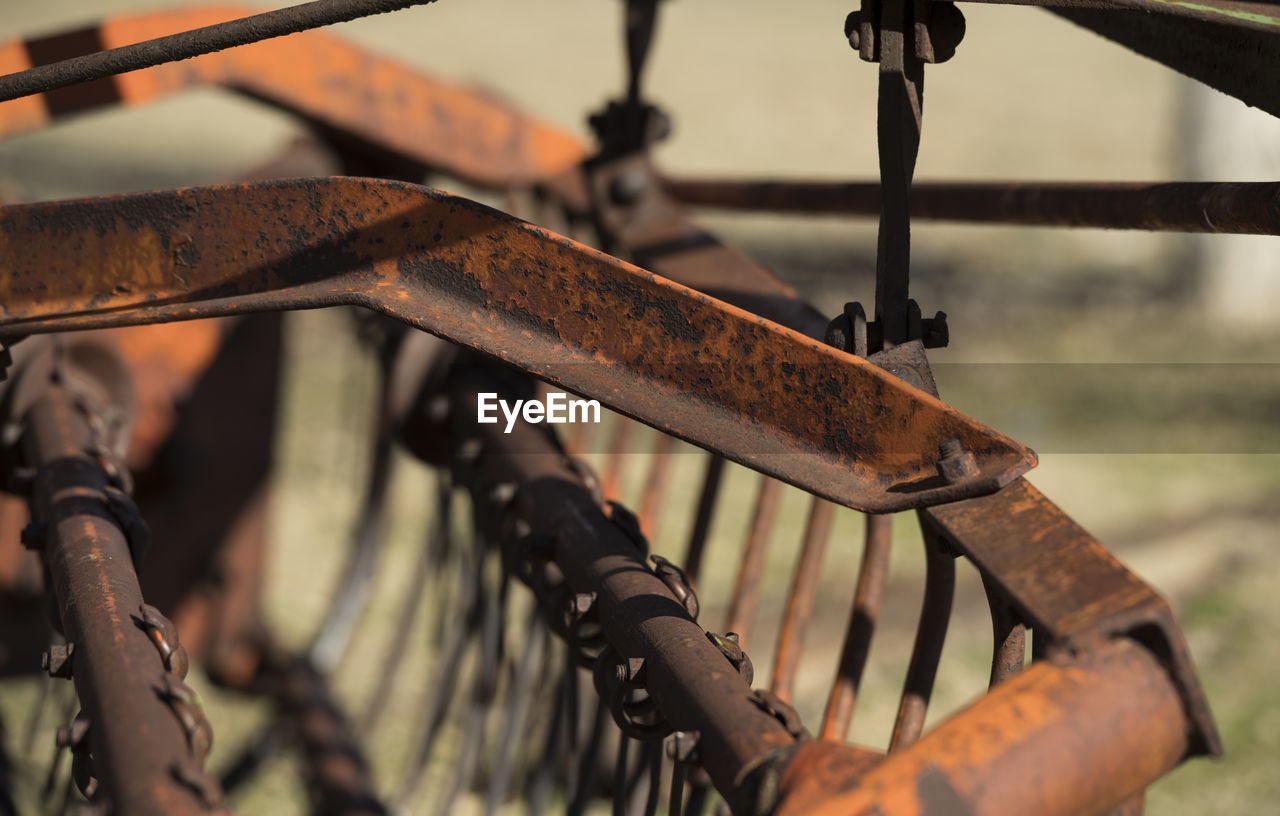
<point>804,588</point>
<point>935,614</point>
<point>188,44</point>
<point>862,626</point>
<point>1249,208</point>
<point>746,588</point>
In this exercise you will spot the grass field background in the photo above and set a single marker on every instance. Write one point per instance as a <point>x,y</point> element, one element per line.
<point>1173,463</point>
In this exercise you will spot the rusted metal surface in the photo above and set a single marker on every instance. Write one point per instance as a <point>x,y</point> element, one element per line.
<point>686,364</point>
<point>1024,545</point>
<point>692,682</point>
<point>1229,207</point>
<point>1006,753</point>
<point>373,101</point>
<point>144,734</point>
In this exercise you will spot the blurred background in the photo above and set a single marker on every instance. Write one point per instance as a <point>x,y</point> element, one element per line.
<point>1141,367</point>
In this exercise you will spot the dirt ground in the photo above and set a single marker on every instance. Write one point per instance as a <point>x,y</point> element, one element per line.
<point>1156,421</point>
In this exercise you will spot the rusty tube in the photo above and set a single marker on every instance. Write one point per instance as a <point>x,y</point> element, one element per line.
<point>1009,635</point>
<point>139,748</point>
<point>1019,749</point>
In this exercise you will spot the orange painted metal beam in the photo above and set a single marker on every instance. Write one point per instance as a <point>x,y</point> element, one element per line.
<point>317,77</point>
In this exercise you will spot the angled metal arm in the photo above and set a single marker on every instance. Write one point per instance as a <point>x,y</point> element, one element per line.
<point>774,400</point>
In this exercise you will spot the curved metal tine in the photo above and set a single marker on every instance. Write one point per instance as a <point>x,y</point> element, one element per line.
<point>862,626</point>
<point>483,694</point>
<point>620,789</point>
<point>675,802</point>
<point>544,774</point>
<point>588,762</point>
<point>655,778</point>
<point>702,520</point>
<point>519,694</point>
<point>935,614</point>
<point>655,486</point>
<point>55,764</point>
<point>426,569</point>
<point>439,692</point>
<point>264,745</point>
<point>339,626</point>
<point>804,586</point>
<point>1009,635</point>
<point>746,588</point>
<point>619,452</point>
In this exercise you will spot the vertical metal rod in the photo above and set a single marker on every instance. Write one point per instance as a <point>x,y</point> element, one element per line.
<point>619,450</point>
<point>804,586</point>
<point>544,774</point>
<point>702,520</point>
<point>620,776</point>
<point>656,485</point>
<point>587,762</point>
<point>655,778</point>
<point>675,802</point>
<point>746,588</point>
<point>862,626</point>
<point>935,614</point>
<point>898,118</point>
<point>1008,633</point>
<point>519,695</point>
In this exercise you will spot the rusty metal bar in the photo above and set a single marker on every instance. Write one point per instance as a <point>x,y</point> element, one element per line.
<point>1004,753</point>
<point>935,614</point>
<point>192,44</point>
<point>872,575</point>
<point>746,588</point>
<point>1251,208</point>
<point>804,591</point>
<point>372,105</point>
<point>542,302</point>
<point>694,686</point>
<point>1025,544</point>
<point>143,758</point>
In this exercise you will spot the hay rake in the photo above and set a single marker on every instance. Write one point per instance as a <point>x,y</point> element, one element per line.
<point>638,701</point>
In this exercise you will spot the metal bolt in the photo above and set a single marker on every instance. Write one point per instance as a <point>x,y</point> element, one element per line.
<point>57,660</point>
<point>853,29</point>
<point>956,463</point>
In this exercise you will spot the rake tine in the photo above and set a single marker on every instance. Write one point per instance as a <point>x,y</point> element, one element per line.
<point>1009,634</point>
<point>619,449</point>
<point>587,763</point>
<point>483,693</point>
<point>800,600</point>
<point>656,485</point>
<point>746,589</point>
<point>935,613</point>
<point>675,802</point>
<point>620,789</point>
<point>519,695</point>
<point>702,521</point>
<point>429,556</point>
<point>265,744</point>
<point>862,626</point>
<point>655,778</point>
<point>439,693</point>
<point>543,779</point>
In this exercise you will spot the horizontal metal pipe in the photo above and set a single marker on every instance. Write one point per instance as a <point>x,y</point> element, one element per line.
<point>1225,207</point>
<point>188,44</point>
<point>1023,748</point>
